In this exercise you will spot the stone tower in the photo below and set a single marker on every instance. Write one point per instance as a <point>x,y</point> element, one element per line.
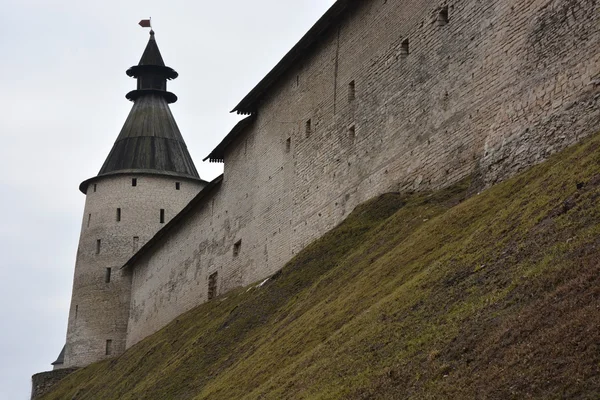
<point>147,178</point>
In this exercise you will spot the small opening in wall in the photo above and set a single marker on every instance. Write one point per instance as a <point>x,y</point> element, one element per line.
<point>288,145</point>
<point>89,220</point>
<point>134,182</point>
<point>351,91</point>
<point>405,48</point>
<point>162,215</point>
<point>95,187</point>
<point>212,285</point>
<point>443,16</point>
<point>98,246</point>
<point>177,185</point>
<point>109,348</point>
<point>76,311</point>
<point>136,243</point>
<point>237,247</point>
<point>118,215</point>
<point>352,132</point>
<point>107,274</point>
<point>308,128</point>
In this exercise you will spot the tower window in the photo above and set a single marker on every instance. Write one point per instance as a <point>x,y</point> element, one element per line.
<point>212,285</point>
<point>288,145</point>
<point>177,185</point>
<point>352,132</point>
<point>405,49</point>
<point>308,128</point>
<point>136,243</point>
<point>118,215</point>
<point>107,274</point>
<point>351,91</point>
<point>237,247</point>
<point>98,246</point>
<point>162,215</point>
<point>95,187</point>
<point>89,220</point>
<point>109,348</point>
<point>76,311</point>
<point>134,182</point>
<point>443,17</point>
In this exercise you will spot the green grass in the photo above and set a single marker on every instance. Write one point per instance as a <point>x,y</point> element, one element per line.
<point>414,296</point>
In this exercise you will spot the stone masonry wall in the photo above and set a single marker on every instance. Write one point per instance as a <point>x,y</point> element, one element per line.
<point>499,87</point>
<point>42,383</point>
<point>99,309</point>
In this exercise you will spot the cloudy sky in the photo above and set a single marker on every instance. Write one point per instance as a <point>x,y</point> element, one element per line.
<point>62,104</point>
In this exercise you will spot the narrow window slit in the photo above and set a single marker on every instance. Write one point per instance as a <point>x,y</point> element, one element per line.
<point>352,132</point>
<point>177,185</point>
<point>118,215</point>
<point>134,182</point>
<point>351,91</point>
<point>107,275</point>
<point>288,145</point>
<point>98,246</point>
<point>443,17</point>
<point>212,285</point>
<point>237,247</point>
<point>405,49</point>
<point>109,347</point>
<point>162,215</point>
<point>308,128</point>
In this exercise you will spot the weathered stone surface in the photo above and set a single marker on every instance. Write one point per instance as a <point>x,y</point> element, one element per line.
<point>44,381</point>
<point>500,87</point>
<point>99,309</point>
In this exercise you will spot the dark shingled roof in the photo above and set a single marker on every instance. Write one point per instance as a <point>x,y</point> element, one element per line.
<point>249,104</point>
<point>61,357</point>
<point>218,154</point>
<point>152,54</point>
<point>152,61</point>
<point>150,141</point>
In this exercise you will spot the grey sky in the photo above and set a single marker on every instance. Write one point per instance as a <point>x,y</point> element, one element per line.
<point>62,88</point>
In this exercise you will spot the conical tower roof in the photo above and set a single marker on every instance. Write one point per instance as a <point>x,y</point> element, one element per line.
<point>152,55</point>
<point>150,141</point>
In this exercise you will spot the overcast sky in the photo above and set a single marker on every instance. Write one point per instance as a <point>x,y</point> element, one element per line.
<point>62,104</point>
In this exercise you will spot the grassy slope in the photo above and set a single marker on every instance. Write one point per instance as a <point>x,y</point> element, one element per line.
<point>417,296</point>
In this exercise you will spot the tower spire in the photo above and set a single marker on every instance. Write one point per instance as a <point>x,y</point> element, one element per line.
<point>150,141</point>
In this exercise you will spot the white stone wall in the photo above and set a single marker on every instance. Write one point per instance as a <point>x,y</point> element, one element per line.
<point>100,310</point>
<point>500,87</point>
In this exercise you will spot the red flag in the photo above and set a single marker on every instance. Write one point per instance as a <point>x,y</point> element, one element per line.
<point>145,23</point>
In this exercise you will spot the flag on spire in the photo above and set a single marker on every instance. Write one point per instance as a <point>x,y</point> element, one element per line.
<point>146,23</point>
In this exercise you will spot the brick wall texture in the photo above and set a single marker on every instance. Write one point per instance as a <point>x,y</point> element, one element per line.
<point>43,382</point>
<point>499,87</point>
<point>99,309</point>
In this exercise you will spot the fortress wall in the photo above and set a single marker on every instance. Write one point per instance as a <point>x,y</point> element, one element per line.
<point>500,87</point>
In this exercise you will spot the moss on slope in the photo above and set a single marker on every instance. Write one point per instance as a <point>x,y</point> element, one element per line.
<point>419,296</point>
